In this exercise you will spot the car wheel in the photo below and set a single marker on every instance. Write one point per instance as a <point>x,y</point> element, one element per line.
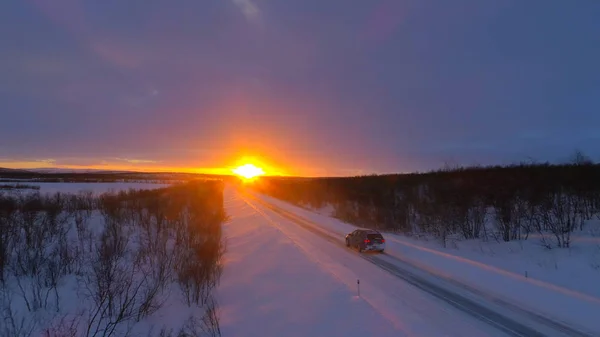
<point>360,250</point>
<point>381,251</point>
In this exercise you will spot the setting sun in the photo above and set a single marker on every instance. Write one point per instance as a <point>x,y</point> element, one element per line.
<point>248,171</point>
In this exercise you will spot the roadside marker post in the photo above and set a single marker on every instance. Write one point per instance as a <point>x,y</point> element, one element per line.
<point>358,286</point>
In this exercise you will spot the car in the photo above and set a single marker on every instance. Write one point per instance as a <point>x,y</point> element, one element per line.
<point>366,240</point>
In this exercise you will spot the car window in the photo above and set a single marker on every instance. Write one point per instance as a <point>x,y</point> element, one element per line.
<point>374,236</point>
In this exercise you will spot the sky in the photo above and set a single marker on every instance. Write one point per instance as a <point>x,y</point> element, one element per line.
<point>306,87</point>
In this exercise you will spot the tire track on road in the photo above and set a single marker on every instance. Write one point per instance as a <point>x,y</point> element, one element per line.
<point>392,320</point>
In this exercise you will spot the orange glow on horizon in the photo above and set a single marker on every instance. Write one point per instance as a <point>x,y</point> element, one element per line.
<point>243,167</point>
<point>26,165</point>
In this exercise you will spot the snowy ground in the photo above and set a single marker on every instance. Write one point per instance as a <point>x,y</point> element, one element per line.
<point>282,280</point>
<point>96,188</point>
<point>559,284</point>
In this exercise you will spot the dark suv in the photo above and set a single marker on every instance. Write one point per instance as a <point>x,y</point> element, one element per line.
<point>366,240</point>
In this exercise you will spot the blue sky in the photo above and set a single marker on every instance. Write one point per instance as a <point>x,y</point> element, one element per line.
<point>311,86</point>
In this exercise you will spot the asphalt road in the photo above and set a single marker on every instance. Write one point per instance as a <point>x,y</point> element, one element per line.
<point>539,325</point>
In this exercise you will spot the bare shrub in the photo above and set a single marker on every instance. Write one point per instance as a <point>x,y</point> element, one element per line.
<point>124,266</point>
<point>41,254</point>
<point>207,325</point>
<point>13,324</point>
<point>431,220</point>
<point>122,282</point>
<point>8,213</point>
<point>561,214</point>
<point>65,326</point>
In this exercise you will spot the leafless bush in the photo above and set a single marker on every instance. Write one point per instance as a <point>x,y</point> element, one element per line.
<point>197,267</point>
<point>8,213</point>
<point>561,215</point>
<point>475,218</point>
<point>41,254</point>
<point>198,249</point>
<point>13,324</point>
<point>126,267</point>
<point>346,211</point>
<point>66,326</point>
<point>157,267</point>
<point>123,283</point>
<point>431,219</point>
<point>207,325</point>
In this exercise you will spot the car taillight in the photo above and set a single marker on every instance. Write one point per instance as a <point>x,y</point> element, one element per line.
<point>367,240</point>
<point>382,240</point>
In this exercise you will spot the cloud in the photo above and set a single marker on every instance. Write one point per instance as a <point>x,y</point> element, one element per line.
<point>115,54</point>
<point>136,161</point>
<point>249,9</point>
<point>141,99</point>
<point>46,161</point>
<point>26,163</point>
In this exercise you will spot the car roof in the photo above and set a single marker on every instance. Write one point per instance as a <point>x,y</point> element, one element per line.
<point>368,231</point>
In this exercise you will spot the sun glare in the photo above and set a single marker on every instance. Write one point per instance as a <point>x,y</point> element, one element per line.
<point>248,171</point>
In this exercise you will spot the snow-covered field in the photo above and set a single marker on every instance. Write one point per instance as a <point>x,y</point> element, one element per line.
<point>96,188</point>
<point>561,284</point>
